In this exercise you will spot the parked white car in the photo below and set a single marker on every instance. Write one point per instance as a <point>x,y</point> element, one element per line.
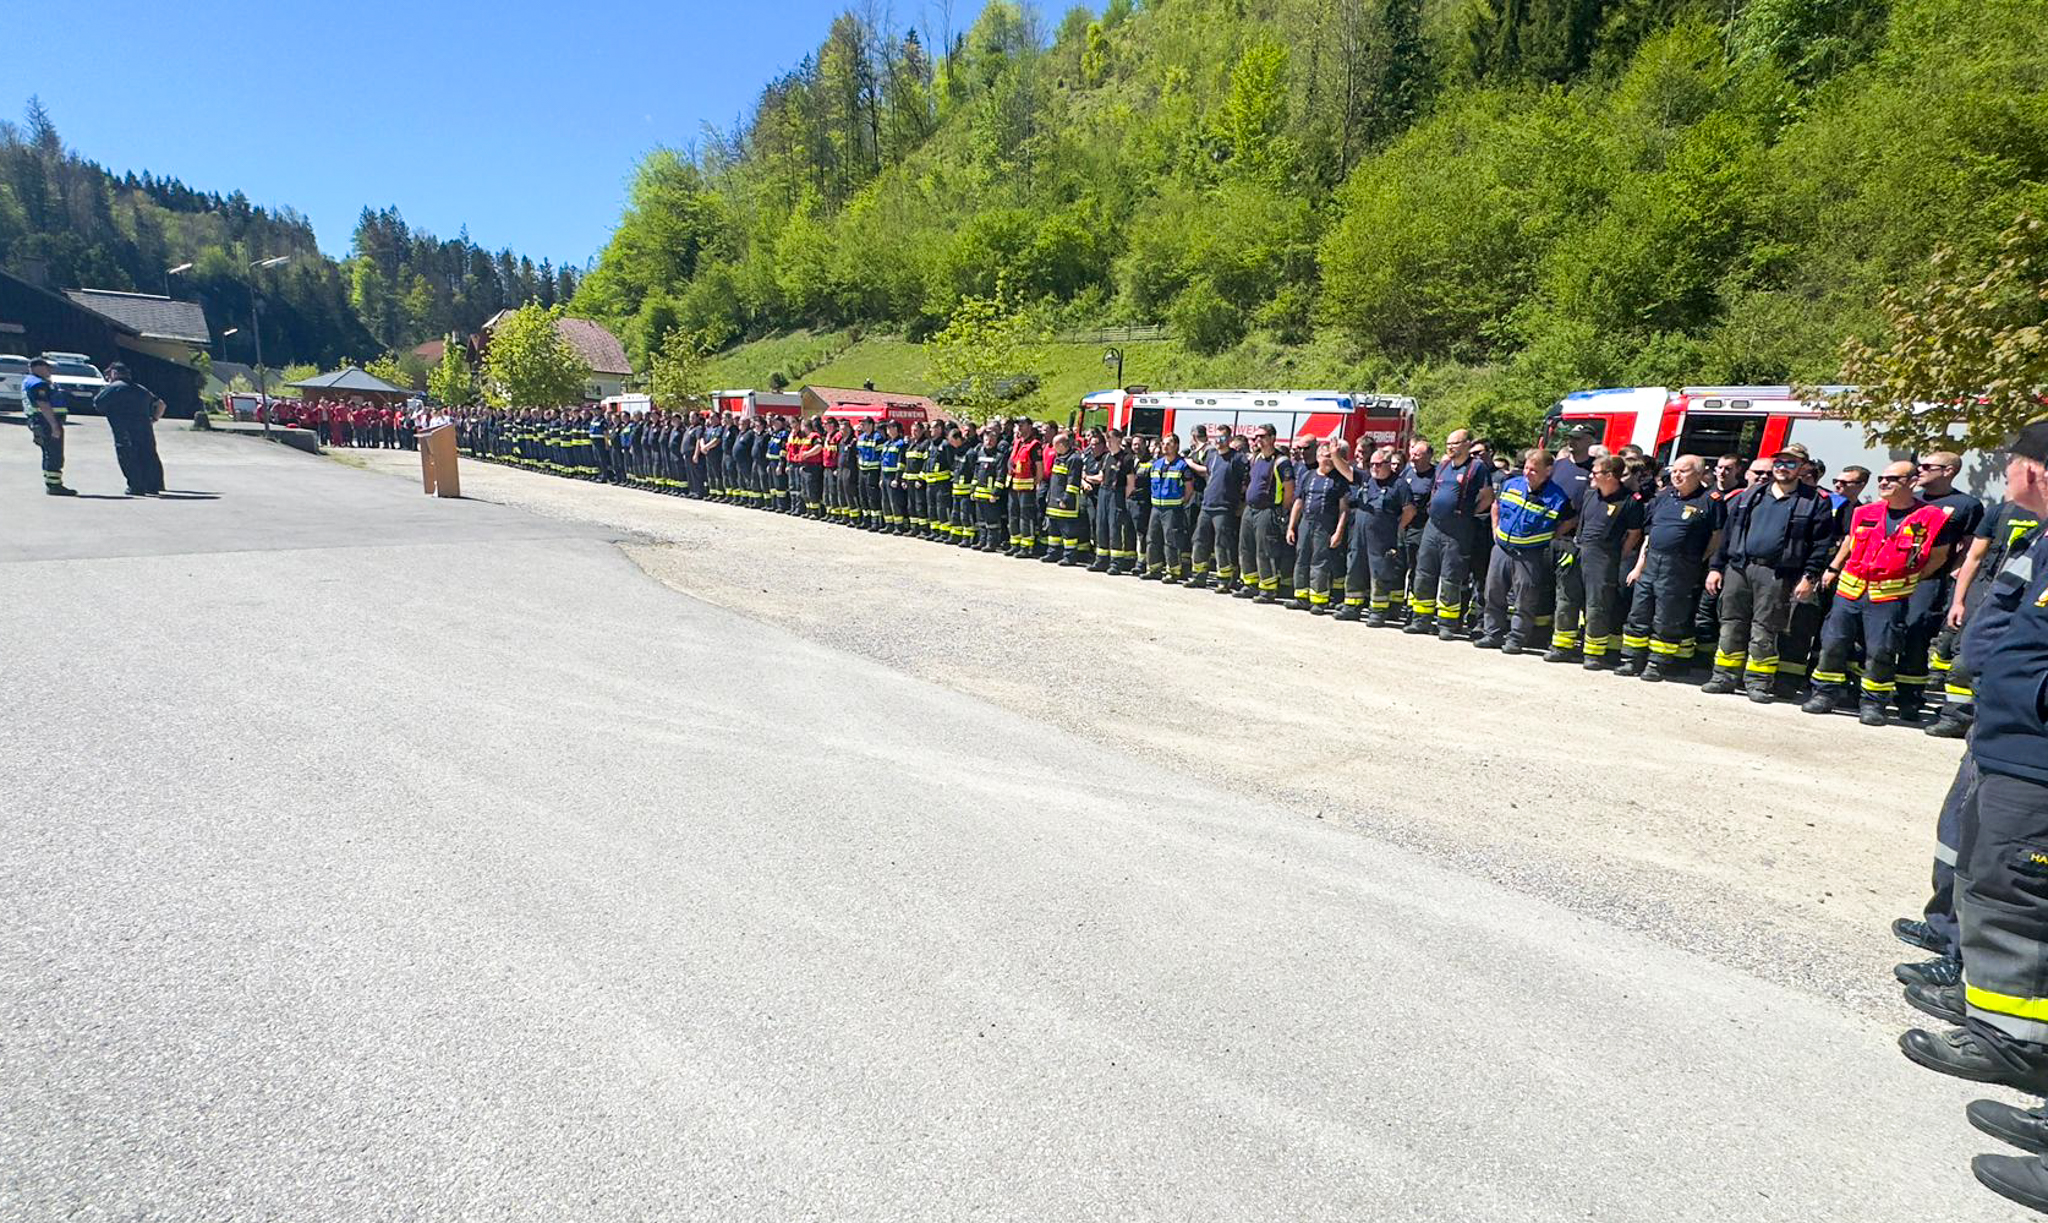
<point>77,376</point>
<point>12,369</point>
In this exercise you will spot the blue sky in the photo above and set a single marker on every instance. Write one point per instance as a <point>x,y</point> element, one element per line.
<point>519,118</point>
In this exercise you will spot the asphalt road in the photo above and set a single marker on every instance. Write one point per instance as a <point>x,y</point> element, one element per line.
<point>369,856</point>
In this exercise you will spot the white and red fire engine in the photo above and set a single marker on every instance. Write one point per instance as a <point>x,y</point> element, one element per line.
<point>1748,421</point>
<point>759,403</point>
<point>1358,418</point>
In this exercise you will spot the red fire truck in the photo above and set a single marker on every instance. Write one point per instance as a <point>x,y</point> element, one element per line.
<point>1358,418</point>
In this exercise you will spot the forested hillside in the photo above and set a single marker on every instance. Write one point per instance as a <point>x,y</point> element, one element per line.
<point>87,227</point>
<point>1498,200</point>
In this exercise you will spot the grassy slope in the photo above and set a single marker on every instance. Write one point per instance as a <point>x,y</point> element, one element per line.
<point>1069,371</point>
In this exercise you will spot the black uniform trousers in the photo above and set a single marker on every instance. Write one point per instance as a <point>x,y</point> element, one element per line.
<point>52,446</point>
<point>1318,567</point>
<point>1519,578</point>
<point>2002,913</point>
<point>1024,513</point>
<point>1165,539</point>
<point>1878,627</point>
<point>1258,547</point>
<point>1443,563</point>
<point>135,449</point>
<point>1926,608</point>
<point>1755,603</point>
<point>1589,601</point>
<point>1373,572</point>
<point>1111,528</point>
<point>1216,532</point>
<point>1940,910</point>
<point>1660,609</point>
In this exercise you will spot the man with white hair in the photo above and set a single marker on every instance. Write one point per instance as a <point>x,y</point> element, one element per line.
<point>1681,527</point>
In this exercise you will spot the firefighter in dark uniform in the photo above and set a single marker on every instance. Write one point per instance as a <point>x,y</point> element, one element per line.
<point>1138,502</point>
<point>1460,497</point>
<point>916,450</point>
<point>1111,478</point>
<point>868,454</point>
<point>1166,479</point>
<point>1775,545</point>
<point>1926,653</point>
<point>2008,529</point>
<point>1316,528</point>
<point>1216,524</point>
<point>1891,546</point>
<point>1269,487</point>
<point>1530,513</point>
<point>777,473</point>
<point>1063,503</point>
<point>1681,528</point>
<point>1091,460</point>
<point>890,450</point>
<point>989,473</point>
<point>2001,902</point>
<point>1420,477</point>
<point>1381,509</point>
<point>1589,587</point>
<point>966,456</point>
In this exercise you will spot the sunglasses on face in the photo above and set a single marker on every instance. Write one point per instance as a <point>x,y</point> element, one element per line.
<point>1934,467</point>
<point>1892,479</point>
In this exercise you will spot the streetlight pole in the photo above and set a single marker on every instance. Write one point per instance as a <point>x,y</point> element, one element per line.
<point>256,322</point>
<point>1115,356</point>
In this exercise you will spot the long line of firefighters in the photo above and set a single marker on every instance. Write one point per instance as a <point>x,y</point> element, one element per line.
<point>1593,558</point>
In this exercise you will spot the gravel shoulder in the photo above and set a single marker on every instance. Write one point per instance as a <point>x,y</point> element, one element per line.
<point>1763,838</point>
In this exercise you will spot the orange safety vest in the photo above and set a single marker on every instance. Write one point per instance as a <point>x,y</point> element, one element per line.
<point>1887,567</point>
<point>1024,466</point>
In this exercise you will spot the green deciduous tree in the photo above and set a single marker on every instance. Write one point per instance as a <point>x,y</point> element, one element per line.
<point>452,382</point>
<point>676,372</point>
<point>529,364</point>
<point>983,351</point>
<point>1965,351</point>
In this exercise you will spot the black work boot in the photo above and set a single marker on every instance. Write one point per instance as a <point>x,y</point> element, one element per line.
<point>1348,612</point>
<point>1245,592</point>
<point>1376,620</point>
<point>1486,643</point>
<point>1950,725</point>
<point>1870,712</point>
<point>1916,933</point>
<point>1559,654</point>
<point>1416,627</point>
<point>1822,701</point>
<point>58,490</point>
<point>1912,713</point>
<point>2025,1128</point>
<point>1653,672</point>
<point>2021,1178</point>
<point>1600,663</point>
<point>1199,581</point>
<point>1961,1055</point>
<point>1936,974</point>
<point>1945,1004</point>
<point>1758,691</point>
<point>1722,683</point>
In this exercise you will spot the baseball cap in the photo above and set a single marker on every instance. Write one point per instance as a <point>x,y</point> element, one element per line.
<point>2031,442</point>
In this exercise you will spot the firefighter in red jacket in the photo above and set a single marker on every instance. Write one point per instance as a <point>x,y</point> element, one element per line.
<point>1890,544</point>
<point>1027,482</point>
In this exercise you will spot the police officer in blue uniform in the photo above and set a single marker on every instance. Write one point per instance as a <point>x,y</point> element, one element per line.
<point>43,402</point>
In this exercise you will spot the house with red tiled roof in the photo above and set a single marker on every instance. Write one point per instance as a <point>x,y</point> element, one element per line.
<point>599,348</point>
